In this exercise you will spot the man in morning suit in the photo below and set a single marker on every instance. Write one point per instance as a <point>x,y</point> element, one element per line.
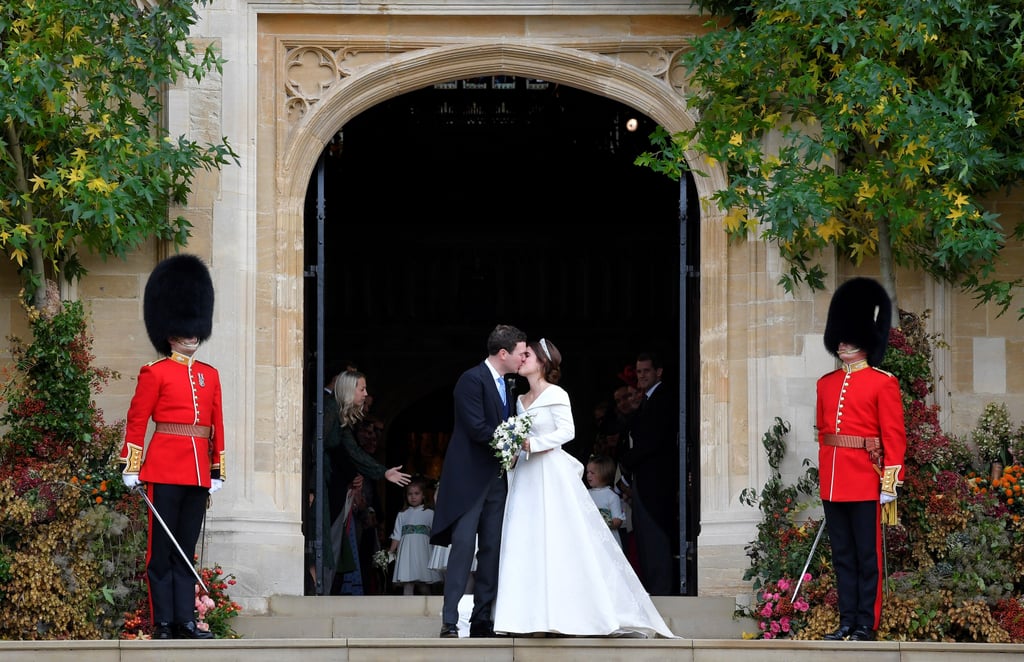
<point>184,461</point>
<point>862,442</point>
<point>471,497</point>
<point>653,460</point>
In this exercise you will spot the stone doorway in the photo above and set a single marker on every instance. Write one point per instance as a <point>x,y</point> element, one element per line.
<point>477,201</point>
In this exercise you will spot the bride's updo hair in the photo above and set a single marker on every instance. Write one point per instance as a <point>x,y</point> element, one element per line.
<point>550,359</point>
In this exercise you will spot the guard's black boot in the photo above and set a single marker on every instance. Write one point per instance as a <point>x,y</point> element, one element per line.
<point>842,633</point>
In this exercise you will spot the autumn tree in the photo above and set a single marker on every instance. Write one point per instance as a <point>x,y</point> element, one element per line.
<point>85,159</point>
<point>893,120</point>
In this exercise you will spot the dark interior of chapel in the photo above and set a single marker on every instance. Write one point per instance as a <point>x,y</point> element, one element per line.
<point>495,200</point>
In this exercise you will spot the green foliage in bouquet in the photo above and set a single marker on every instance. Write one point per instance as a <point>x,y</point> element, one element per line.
<point>956,560</point>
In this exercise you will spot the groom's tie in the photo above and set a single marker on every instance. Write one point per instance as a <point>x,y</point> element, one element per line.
<point>504,396</point>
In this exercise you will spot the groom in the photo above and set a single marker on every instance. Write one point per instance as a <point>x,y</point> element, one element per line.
<point>471,497</point>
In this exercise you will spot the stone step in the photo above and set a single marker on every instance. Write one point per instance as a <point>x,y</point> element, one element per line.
<point>420,617</point>
<point>389,628</point>
<point>504,650</point>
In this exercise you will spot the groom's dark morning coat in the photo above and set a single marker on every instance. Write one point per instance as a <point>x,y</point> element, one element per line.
<point>469,462</point>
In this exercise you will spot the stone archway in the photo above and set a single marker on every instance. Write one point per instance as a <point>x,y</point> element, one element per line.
<point>303,141</point>
<point>322,93</point>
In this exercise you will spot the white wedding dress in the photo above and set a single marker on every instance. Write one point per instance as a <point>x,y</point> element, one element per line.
<point>560,568</point>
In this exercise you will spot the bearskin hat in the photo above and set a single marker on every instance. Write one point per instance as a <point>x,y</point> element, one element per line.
<point>178,301</point>
<point>860,314</point>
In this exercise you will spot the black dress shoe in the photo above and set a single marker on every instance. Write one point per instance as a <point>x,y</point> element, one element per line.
<point>842,633</point>
<point>863,633</point>
<point>162,631</point>
<point>190,631</point>
<point>449,631</point>
<point>482,629</point>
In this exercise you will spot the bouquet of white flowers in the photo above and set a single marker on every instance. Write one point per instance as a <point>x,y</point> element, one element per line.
<point>509,437</point>
<point>382,559</point>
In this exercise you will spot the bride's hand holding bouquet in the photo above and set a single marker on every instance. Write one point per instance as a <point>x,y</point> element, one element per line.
<point>509,438</point>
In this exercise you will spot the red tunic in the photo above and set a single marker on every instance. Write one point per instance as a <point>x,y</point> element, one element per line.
<point>862,403</point>
<point>176,389</point>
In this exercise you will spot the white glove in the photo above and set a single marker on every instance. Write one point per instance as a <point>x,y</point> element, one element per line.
<point>215,484</point>
<point>886,498</point>
<point>130,480</point>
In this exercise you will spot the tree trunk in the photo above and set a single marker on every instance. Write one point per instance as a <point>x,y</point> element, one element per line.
<point>886,266</point>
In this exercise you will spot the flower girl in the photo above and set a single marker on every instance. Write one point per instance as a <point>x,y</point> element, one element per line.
<point>411,541</point>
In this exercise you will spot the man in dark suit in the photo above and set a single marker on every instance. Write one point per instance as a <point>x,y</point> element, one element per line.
<point>653,461</point>
<point>471,498</point>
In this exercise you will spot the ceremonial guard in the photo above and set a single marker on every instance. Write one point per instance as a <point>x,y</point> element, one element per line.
<point>862,442</point>
<point>184,461</point>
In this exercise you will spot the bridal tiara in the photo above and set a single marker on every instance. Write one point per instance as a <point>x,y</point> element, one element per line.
<point>544,346</point>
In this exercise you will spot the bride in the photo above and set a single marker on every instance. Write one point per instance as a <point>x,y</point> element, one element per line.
<point>560,569</point>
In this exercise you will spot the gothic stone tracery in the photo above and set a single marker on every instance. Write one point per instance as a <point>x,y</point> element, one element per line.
<point>312,69</point>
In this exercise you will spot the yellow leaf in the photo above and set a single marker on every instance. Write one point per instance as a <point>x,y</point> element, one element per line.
<point>867,191</point>
<point>736,140</point>
<point>19,255</point>
<point>38,183</point>
<point>78,60</point>
<point>79,153</point>
<point>733,220</point>
<point>830,229</point>
<point>93,131</point>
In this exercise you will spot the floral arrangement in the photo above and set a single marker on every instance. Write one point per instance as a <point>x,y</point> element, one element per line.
<point>778,614</point>
<point>215,609</point>
<point>382,558</point>
<point>994,435</point>
<point>508,439</point>
<point>1007,489</point>
<point>213,613</point>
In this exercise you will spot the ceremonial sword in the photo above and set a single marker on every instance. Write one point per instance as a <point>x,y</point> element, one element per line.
<point>145,497</point>
<point>814,546</point>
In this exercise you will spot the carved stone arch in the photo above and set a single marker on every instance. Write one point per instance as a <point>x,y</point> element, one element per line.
<point>302,143</point>
<point>410,71</point>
